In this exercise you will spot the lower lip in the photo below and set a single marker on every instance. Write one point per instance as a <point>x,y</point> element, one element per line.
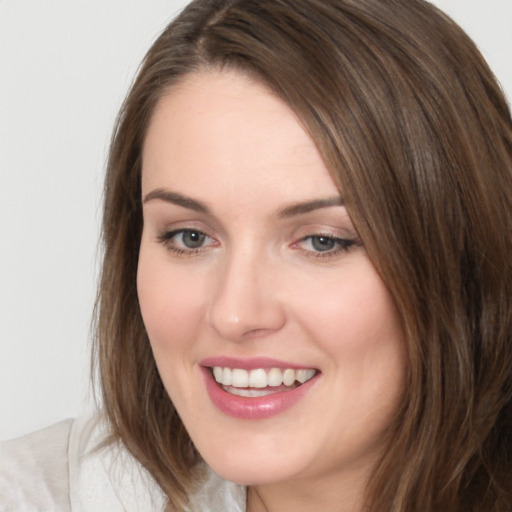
<point>253,408</point>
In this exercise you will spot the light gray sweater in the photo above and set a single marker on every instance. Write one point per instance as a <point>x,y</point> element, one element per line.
<point>57,469</point>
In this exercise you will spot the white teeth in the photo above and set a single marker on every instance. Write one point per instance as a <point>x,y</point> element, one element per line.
<point>217,373</point>
<point>275,377</point>
<point>261,378</point>
<point>227,376</point>
<point>288,377</point>
<point>304,375</point>
<point>249,392</point>
<point>240,378</point>
<point>258,378</point>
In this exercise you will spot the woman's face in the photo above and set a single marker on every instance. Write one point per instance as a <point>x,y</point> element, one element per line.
<point>251,273</point>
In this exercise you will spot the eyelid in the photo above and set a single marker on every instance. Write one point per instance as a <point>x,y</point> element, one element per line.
<point>167,236</point>
<point>343,244</point>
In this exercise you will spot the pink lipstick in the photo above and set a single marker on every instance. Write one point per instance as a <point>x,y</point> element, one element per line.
<point>255,388</point>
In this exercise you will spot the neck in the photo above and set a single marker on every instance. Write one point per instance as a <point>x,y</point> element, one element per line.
<point>300,496</point>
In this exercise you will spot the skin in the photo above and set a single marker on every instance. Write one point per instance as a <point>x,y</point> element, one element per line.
<point>257,285</point>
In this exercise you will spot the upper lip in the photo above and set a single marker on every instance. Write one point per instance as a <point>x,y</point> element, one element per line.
<point>251,363</point>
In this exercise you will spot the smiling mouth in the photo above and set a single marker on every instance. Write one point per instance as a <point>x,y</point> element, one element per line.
<point>260,382</point>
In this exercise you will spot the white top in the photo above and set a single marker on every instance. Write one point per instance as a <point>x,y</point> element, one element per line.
<point>57,469</point>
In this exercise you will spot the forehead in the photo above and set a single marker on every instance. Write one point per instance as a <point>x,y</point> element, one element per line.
<point>228,129</point>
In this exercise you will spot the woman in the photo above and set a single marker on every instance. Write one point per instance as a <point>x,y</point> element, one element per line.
<point>306,281</point>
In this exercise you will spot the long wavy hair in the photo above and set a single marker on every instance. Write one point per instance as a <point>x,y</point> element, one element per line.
<point>416,132</point>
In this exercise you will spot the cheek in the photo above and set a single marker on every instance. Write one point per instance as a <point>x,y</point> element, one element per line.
<point>357,326</point>
<point>354,312</point>
<point>171,304</point>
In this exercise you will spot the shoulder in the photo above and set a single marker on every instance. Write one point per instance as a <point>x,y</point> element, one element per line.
<point>34,470</point>
<point>63,468</point>
<point>68,468</point>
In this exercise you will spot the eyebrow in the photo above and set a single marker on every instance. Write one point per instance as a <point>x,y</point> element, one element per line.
<point>198,206</point>
<point>309,206</point>
<point>178,199</point>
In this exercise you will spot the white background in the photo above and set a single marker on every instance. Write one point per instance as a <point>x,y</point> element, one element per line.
<point>65,67</point>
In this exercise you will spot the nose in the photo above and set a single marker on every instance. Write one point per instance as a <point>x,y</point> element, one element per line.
<point>245,301</point>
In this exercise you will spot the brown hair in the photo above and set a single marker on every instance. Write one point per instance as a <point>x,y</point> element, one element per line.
<point>416,132</point>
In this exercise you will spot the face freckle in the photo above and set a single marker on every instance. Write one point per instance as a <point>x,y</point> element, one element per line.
<point>249,260</point>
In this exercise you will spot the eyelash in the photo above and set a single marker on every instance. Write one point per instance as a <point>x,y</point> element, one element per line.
<point>167,237</point>
<point>342,245</point>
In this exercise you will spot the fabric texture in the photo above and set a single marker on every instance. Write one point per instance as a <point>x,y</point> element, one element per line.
<point>59,469</point>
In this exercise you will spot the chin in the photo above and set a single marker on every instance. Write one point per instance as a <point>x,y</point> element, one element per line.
<point>255,459</point>
<point>243,472</point>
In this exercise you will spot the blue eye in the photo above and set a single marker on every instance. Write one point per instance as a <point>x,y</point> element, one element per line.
<point>185,241</point>
<point>325,246</point>
<point>322,243</point>
<point>191,239</point>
